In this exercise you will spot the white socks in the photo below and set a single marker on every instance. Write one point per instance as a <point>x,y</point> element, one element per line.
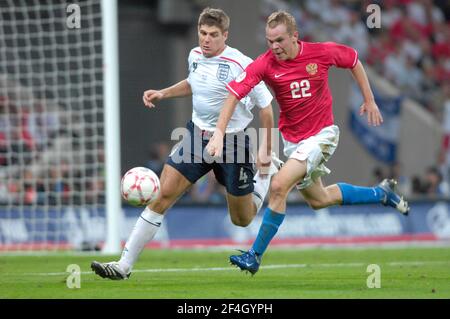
<point>144,230</point>
<point>260,191</point>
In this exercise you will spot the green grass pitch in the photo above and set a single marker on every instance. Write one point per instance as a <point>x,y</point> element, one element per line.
<point>286,273</point>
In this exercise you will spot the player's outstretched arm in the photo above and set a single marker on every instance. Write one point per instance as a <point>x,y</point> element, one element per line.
<point>181,89</point>
<point>215,144</point>
<point>369,106</point>
<point>265,149</point>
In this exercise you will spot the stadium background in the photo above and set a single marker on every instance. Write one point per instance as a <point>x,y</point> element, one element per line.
<point>412,87</point>
<point>414,130</point>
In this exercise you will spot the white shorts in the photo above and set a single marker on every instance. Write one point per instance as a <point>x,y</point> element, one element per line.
<point>316,150</point>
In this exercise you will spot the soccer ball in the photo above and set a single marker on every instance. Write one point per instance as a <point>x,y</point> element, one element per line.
<point>140,186</point>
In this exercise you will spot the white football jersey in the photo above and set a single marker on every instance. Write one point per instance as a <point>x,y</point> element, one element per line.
<point>208,78</point>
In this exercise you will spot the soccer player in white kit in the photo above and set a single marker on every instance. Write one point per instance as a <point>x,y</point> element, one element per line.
<point>211,66</point>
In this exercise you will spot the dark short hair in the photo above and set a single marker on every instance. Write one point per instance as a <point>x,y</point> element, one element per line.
<point>214,17</point>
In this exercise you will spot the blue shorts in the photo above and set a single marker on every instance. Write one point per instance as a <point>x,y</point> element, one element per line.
<point>235,170</point>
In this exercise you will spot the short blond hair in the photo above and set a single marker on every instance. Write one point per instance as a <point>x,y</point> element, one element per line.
<point>214,17</point>
<point>282,17</point>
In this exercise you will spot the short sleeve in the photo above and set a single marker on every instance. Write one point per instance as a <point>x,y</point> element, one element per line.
<point>261,95</point>
<point>248,79</point>
<point>191,65</point>
<point>341,55</point>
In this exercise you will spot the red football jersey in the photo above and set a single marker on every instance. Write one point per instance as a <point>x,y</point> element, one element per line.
<point>300,85</point>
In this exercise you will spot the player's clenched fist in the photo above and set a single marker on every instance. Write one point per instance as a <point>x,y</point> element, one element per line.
<point>215,144</point>
<point>152,96</point>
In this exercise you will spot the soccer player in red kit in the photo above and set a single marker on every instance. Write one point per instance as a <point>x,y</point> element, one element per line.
<point>297,72</point>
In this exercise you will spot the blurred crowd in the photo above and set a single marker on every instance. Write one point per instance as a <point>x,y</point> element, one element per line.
<point>47,157</point>
<point>429,185</point>
<point>412,50</point>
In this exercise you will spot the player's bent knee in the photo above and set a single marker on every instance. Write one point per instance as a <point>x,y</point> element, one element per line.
<point>277,188</point>
<point>317,204</point>
<point>241,220</point>
<point>163,201</point>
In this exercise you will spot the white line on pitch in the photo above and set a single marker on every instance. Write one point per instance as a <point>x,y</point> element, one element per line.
<point>198,269</point>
